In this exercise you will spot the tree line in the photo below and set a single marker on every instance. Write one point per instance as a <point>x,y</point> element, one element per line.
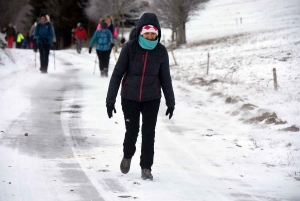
<point>173,14</point>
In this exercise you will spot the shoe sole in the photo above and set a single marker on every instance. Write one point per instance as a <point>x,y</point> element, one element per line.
<point>147,178</point>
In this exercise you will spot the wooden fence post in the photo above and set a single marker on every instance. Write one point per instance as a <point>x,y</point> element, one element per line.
<point>173,57</point>
<point>275,79</point>
<point>207,70</point>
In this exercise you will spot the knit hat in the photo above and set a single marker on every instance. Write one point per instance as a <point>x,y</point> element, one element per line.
<point>149,29</point>
<point>104,25</point>
<point>43,14</point>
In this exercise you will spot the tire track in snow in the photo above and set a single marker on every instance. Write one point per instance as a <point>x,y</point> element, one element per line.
<point>41,168</point>
<point>109,187</point>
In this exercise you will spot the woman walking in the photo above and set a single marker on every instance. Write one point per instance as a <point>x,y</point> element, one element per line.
<point>144,66</point>
<point>43,33</point>
<point>103,37</point>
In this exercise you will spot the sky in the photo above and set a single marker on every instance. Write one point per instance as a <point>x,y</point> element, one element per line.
<point>226,140</point>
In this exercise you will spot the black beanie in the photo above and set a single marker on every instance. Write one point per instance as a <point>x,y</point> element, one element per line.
<point>43,14</point>
<point>104,25</point>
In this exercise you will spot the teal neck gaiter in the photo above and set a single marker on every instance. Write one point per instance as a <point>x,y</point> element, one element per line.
<point>147,44</point>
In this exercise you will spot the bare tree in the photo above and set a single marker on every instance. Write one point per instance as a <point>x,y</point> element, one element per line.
<point>116,8</point>
<point>65,15</point>
<point>97,9</point>
<point>174,14</point>
<point>14,11</point>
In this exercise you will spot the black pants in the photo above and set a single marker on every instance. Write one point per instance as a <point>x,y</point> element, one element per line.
<point>44,50</point>
<point>132,110</point>
<point>18,45</point>
<point>103,57</point>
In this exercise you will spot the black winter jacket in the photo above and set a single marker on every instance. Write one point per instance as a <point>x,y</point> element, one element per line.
<point>10,31</point>
<point>132,34</point>
<point>144,72</point>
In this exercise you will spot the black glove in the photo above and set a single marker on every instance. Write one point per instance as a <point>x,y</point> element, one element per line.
<point>110,108</point>
<point>43,41</point>
<point>90,50</point>
<point>170,112</point>
<point>123,40</point>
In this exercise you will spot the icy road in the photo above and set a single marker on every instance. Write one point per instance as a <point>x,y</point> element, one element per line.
<point>62,146</point>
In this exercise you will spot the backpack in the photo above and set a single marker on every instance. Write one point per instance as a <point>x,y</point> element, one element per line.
<point>47,24</point>
<point>103,42</point>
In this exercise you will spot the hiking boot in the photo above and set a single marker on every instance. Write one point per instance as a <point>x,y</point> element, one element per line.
<point>102,73</point>
<point>43,70</point>
<point>125,165</point>
<point>146,174</point>
<point>105,72</point>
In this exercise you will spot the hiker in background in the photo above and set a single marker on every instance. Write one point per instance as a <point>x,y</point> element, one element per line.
<point>101,20</point>
<point>43,34</point>
<point>19,40</point>
<point>54,36</point>
<point>10,35</point>
<point>32,42</point>
<point>104,38</point>
<point>25,41</point>
<point>80,36</point>
<point>112,29</point>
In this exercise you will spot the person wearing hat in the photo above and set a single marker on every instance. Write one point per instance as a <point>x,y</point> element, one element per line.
<point>112,28</point>
<point>80,36</point>
<point>10,35</point>
<point>104,38</point>
<point>43,33</point>
<point>143,68</point>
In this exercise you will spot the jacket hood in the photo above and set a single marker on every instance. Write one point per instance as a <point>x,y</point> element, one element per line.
<point>148,18</point>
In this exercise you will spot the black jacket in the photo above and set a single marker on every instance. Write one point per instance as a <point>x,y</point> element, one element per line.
<point>132,34</point>
<point>144,72</point>
<point>10,31</point>
<point>111,28</point>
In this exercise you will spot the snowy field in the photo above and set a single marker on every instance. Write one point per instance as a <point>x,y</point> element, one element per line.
<point>232,136</point>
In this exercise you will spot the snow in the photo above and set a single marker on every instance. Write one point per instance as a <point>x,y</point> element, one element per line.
<point>209,150</point>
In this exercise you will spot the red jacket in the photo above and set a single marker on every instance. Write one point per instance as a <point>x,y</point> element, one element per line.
<point>80,33</point>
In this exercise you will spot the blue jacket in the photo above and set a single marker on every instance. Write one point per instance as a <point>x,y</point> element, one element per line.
<point>103,38</point>
<point>43,33</point>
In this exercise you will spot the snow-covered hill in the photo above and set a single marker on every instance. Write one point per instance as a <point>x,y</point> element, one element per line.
<point>246,40</point>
